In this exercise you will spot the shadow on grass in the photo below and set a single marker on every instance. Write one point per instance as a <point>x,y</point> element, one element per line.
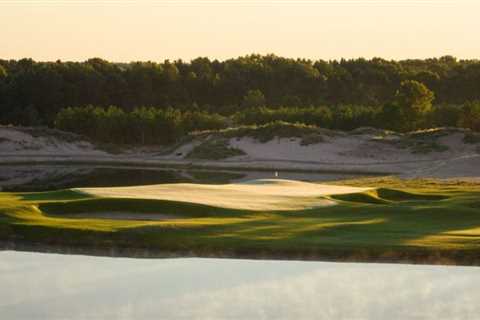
<point>60,195</point>
<point>358,225</point>
<point>356,222</point>
<point>95,205</point>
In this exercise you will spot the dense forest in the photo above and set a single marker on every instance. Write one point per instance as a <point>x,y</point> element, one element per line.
<point>178,97</point>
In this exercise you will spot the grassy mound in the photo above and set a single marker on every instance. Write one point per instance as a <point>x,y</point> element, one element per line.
<point>398,195</point>
<point>263,133</point>
<point>386,196</point>
<point>54,195</point>
<point>419,142</point>
<point>183,209</point>
<point>364,197</point>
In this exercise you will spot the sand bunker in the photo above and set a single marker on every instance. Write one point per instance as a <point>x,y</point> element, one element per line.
<point>266,194</point>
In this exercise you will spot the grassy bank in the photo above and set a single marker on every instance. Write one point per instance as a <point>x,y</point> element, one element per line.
<point>401,221</point>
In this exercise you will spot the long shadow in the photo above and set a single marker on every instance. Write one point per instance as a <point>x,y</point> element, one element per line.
<point>60,195</point>
<point>402,225</point>
<point>92,205</point>
<point>354,224</point>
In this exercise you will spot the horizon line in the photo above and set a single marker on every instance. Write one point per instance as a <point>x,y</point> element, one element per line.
<point>245,56</point>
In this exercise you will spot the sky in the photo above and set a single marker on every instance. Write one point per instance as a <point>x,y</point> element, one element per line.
<point>128,30</point>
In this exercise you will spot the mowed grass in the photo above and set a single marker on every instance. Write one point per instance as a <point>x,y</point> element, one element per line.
<point>392,217</point>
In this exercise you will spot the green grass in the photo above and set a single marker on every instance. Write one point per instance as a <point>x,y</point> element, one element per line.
<point>53,195</point>
<point>181,209</point>
<point>399,219</point>
<point>363,197</point>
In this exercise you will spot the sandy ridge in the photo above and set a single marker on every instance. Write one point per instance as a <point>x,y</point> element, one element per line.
<point>365,153</point>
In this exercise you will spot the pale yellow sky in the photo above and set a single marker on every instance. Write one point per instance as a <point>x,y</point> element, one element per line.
<point>126,30</point>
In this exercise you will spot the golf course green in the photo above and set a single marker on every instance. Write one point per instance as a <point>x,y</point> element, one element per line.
<point>371,219</point>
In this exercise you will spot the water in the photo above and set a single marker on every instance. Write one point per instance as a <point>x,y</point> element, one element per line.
<point>53,177</point>
<point>50,286</point>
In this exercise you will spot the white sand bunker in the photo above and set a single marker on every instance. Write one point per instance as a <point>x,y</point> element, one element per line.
<point>265,194</point>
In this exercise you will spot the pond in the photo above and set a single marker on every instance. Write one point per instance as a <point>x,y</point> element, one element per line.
<point>29,178</point>
<point>52,286</point>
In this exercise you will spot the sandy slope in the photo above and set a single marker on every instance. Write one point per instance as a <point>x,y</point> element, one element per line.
<point>41,141</point>
<point>265,194</point>
<point>362,153</point>
<point>349,152</point>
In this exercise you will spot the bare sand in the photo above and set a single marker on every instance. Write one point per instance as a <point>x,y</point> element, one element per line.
<point>342,152</point>
<point>41,141</point>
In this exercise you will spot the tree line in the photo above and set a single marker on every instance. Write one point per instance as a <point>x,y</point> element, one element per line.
<point>410,109</point>
<point>33,93</point>
<point>144,125</point>
<point>148,102</point>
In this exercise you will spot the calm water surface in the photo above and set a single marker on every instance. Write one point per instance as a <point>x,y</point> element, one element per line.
<point>53,177</point>
<point>50,286</point>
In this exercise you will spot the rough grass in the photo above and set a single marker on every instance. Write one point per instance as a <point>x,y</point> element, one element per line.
<point>398,219</point>
<point>428,147</point>
<point>214,149</point>
<point>420,142</point>
<point>263,133</point>
<point>312,138</point>
<point>471,138</point>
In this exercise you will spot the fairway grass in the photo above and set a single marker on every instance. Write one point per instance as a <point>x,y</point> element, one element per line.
<point>380,219</point>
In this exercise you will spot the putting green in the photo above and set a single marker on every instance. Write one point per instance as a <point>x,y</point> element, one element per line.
<point>257,195</point>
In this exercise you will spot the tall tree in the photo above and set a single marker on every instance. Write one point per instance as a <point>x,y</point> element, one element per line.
<point>254,99</point>
<point>413,100</point>
<point>470,116</point>
<point>3,87</point>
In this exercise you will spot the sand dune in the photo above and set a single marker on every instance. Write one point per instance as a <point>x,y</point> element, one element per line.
<point>439,153</point>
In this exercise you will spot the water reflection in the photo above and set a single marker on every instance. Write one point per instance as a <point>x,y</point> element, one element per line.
<point>47,286</point>
<point>54,177</point>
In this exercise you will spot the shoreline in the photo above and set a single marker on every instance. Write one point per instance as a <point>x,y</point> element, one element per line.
<point>420,168</point>
<point>243,165</point>
<point>394,223</point>
<point>435,153</point>
<point>412,256</point>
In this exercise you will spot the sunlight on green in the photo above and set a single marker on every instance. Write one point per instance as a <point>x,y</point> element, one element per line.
<point>416,214</point>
